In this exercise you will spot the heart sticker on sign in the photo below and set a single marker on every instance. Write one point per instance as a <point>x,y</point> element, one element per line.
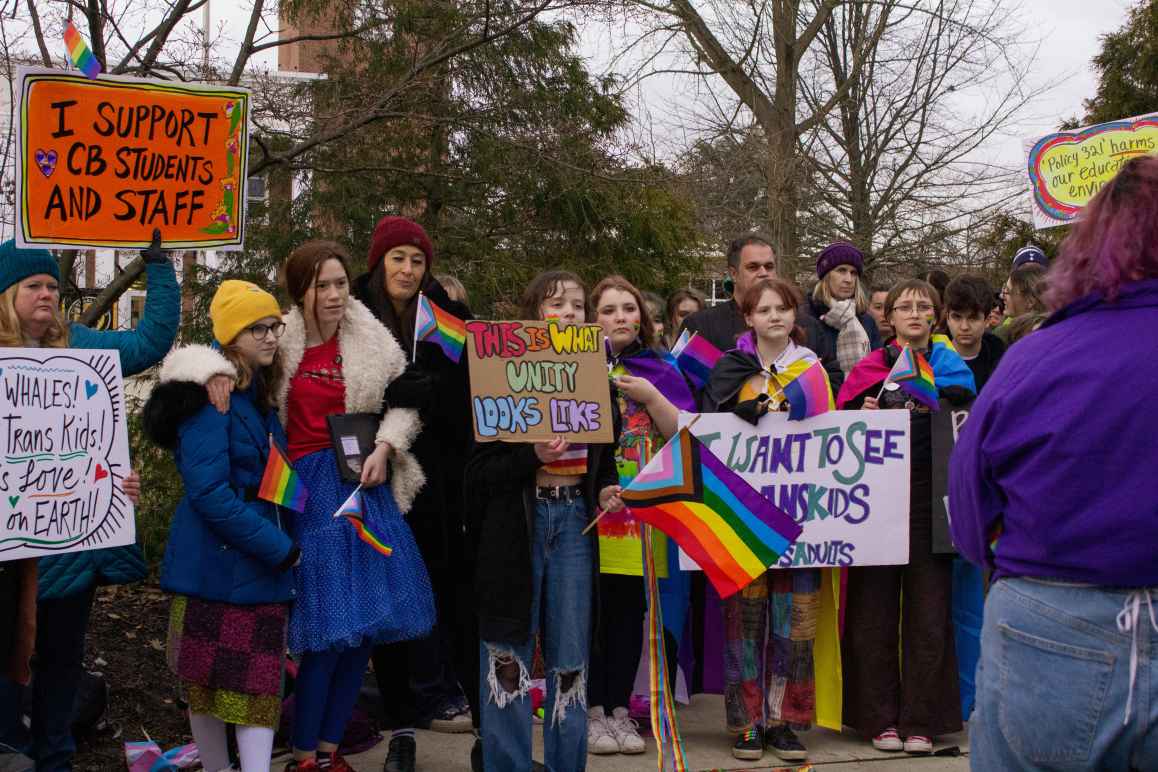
<point>46,160</point>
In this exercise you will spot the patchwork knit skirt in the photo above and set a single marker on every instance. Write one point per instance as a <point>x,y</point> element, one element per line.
<point>348,593</point>
<point>229,658</point>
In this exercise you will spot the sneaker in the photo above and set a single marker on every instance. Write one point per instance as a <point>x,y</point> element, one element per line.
<point>888,740</point>
<point>600,738</point>
<point>452,717</point>
<point>626,731</point>
<point>785,744</point>
<point>306,765</point>
<point>749,746</point>
<point>401,755</point>
<point>918,744</point>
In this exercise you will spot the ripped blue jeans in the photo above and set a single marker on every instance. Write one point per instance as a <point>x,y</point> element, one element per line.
<point>561,570</point>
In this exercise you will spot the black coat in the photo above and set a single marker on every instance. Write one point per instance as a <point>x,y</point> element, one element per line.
<point>500,477</point>
<point>866,321</point>
<point>723,324</point>
<point>439,390</point>
<point>983,365</point>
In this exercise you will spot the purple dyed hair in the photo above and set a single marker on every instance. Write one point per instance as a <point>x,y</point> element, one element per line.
<point>1115,241</point>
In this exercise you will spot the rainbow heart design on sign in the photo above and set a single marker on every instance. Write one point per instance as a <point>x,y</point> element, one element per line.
<point>46,160</point>
<point>1068,168</point>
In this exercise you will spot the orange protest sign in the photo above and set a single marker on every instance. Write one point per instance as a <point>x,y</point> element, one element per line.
<point>103,162</point>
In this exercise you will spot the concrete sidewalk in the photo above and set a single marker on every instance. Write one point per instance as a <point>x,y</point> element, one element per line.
<point>707,746</point>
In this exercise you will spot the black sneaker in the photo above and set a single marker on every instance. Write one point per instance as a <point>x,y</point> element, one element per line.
<point>401,755</point>
<point>452,716</point>
<point>785,744</point>
<point>749,746</point>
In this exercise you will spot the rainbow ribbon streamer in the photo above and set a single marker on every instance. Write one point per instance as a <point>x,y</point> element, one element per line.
<point>79,52</point>
<point>664,726</point>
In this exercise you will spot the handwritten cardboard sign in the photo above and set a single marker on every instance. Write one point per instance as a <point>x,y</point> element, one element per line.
<point>534,381</point>
<point>64,452</point>
<point>946,426</point>
<point>103,162</point>
<point>843,475</point>
<point>1068,168</point>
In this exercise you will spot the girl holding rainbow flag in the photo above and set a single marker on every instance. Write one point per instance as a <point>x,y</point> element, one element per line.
<point>903,693</point>
<point>228,559</point>
<point>782,627</point>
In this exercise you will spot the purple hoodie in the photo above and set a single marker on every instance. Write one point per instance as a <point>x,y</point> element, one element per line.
<point>1059,453</point>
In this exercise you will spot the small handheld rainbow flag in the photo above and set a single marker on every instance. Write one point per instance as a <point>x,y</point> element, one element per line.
<point>721,521</point>
<point>351,509</point>
<point>915,376</point>
<point>79,52</point>
<point>280,483</point>
<point>808,393</point>
<point>697,358</point>
<point>433,324</point>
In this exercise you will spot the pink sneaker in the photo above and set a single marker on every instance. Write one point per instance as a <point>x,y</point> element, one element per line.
<point>888,740</point>
<point>918,744</point>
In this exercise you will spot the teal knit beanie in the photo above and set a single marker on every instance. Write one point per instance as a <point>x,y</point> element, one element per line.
<point>18,264</point>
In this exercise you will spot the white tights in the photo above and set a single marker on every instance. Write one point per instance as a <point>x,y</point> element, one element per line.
<point>254,744</point>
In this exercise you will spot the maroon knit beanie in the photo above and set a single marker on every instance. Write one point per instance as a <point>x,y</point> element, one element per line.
<point>391,232</point>
<point>839,253</point>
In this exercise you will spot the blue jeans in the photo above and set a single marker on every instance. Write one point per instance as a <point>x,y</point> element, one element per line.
<point>1054,682</point>
<point>561,575</point>
<point>61,624</point>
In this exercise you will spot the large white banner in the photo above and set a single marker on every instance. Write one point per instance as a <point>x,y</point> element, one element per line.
<point>843,475</point>
<point>64,452</point>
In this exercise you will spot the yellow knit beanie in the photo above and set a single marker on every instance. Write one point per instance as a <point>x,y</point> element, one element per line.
<point>238,304</point>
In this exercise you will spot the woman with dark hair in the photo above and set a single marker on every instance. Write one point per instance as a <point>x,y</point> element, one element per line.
<point>770,625</point>
<point>840,303</point>
<point>535,570</point>
<point>419,680</point>
<point>900,665</point>
<point>650,391</point>
<point>680,305</point>
<point>1056,496</point>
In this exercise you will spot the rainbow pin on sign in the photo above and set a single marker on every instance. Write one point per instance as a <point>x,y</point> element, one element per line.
<point>79,53</point>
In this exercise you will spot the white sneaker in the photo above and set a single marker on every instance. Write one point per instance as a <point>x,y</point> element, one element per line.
<point>600,739</point>
<point>626,732</point>
<point>918,744</point>
<point>888,740</point>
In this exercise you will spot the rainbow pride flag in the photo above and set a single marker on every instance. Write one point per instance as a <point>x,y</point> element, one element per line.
<point>721,521</point>
<point>351,509</point>
<point>79,52</point>
<point>280,483</point>
<point>808,393</point>
<point>697,358</point>
<point>915,376</point>
<point>433,324</point>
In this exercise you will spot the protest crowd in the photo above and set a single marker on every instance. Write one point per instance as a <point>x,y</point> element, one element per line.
<point>500,587</point>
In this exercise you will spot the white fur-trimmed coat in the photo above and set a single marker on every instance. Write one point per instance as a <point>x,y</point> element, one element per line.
<point>371,359</point>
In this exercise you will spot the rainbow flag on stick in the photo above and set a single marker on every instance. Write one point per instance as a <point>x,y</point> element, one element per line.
<point>79,53</point>
<point>697,358</point>
<point>808,393</point>
<point>433,324</point>
<point>721,521</point>
<point>915,376</point>
<point>351,509</point>
<point>280,483</point>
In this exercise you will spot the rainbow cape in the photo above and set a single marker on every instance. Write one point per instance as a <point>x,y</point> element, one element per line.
<point>808,394</point>
<point>949,370</point>
<point>697,358</point>
<point>79,53</point>
<point>721,521</point>
<point>351,509</point>
<point>915,377</point>
<point>280,483</point>
<point>433,324</point>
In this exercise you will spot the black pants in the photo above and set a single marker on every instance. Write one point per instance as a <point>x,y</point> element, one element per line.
<point>615,654</point>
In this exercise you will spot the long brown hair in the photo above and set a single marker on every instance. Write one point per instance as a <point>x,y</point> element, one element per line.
<point>617,282</point>
<point>542,287</point>
<point>305,263</point>
<point>268,378</point>
<point>12,332</point>
<point>789,296</point>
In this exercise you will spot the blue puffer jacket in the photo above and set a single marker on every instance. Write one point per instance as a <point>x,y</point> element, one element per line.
<point>225,544</point>
<point>140,349</point>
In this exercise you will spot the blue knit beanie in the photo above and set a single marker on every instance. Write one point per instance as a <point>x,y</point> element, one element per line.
<point>1027,255</point>
<point>18,264</point>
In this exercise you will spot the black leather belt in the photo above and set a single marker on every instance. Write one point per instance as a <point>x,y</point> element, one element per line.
<point>559,492</point>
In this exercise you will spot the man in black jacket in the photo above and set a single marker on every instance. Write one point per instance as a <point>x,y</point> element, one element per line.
<point>750,260</point>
